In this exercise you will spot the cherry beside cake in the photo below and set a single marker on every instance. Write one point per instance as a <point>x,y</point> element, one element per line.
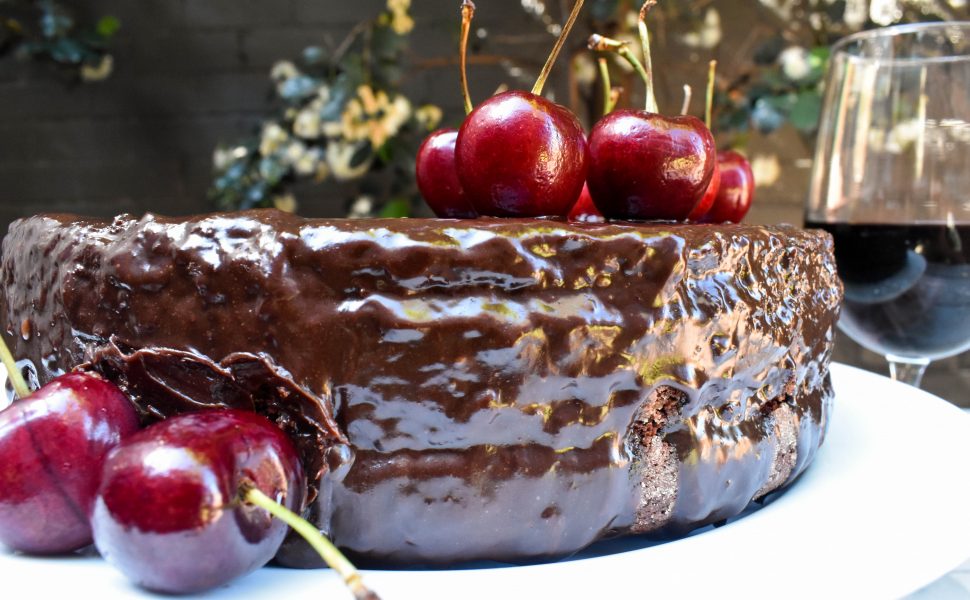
<point>458,389</point>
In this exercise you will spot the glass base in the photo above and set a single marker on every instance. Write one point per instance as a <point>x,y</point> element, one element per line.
<point>907,370</point>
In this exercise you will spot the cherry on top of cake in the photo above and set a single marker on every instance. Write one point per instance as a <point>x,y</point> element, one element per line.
<point>520,155</point>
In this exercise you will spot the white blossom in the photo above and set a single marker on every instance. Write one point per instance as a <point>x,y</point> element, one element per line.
<point>709,33</point>
<point>766,169</point>
<point>856,12</point>
<point>903,135</point>
<point>285,202</point>
<point>307,124</point>
<point>361,207</point>
<point>584,68</point>
<point>428,116</point>
<point>223,157</point>
<point>272,138</point>
<point>339,155</point>
<point>99,71</point>
<point>294,151</point>
<point>309,162</point>
<point>885,12</point>
<point>795,62</point>
<point>283,70</point>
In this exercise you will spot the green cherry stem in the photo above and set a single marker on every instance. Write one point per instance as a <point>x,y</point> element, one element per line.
<point>563,34</point>
<point>467,14</point>
<point>709,97</point>
<point>687,96</point>
<point>601,43</point>
<point>608,102</point>
<point>20,386</point>
<point>651,102</point>
<point>324,547</point>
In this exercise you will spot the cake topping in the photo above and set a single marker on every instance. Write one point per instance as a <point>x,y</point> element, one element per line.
<point>645,165</point>
<point>435,169</point>
<point>520,155</point>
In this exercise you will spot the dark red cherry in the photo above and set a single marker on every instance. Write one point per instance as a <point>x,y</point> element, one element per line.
<point>707,200</point>
<point>520,155</point>
<point>736,191</point>
<point>438,178</point>
<point>169,511</point>
<point>53,444</point>
<point>584,209</point>
<point>644,165</point>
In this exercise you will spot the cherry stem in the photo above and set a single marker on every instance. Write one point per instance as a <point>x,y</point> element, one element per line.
<point>20,386</point>
<point>324,547</point>
<point>709,99</point>
<point>601,43</point>
<point>467,13</point>
<point>687,95</point>
<point>563,34</point>
<point>608,102</point>
<point>651,102</point>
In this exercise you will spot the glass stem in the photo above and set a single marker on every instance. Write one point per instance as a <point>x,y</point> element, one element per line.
<point>907,370</point>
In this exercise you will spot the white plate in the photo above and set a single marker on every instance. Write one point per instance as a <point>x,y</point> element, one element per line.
<point>884,510</point>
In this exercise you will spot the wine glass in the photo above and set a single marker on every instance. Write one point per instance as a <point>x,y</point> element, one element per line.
<point>891,183</point>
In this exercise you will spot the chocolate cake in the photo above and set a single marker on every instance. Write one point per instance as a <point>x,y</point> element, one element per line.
<point>480,389</point>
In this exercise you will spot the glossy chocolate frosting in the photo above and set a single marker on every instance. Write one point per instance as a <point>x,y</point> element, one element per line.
<point>490,388</point>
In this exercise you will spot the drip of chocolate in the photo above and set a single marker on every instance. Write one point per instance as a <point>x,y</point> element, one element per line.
<point>482,389</point>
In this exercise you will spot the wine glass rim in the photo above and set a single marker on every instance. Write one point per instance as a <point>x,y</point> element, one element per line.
<point>840,48</point>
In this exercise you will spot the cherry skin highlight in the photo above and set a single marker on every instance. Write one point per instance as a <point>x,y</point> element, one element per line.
<point>649,166</point>
<point>437,176</point>
<point>53,444</point>
<point>169,513</point>
<point>736,192</point>
<point>707,201</point>
<point>520,155</point>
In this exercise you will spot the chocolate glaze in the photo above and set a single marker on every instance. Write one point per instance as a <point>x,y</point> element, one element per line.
<point>490,388</point>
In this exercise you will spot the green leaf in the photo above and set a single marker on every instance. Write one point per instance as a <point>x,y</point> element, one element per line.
<point>314,55</point>
<point>255,196</point>
<point>396,208</point>
<point>769,113</point>
<point>817,59</point>
<point>386,152</point>
<point>767,52</point>
<point>386,44</point>
<point>361,155</point>
<point>108,25</point>
<point>66,50</point>
<point>55,22</point>
<point>836,10</point>
<point>805,111</point>
<point>272,170</point>
<point>298,88</point>
<point>603,10</point>
<point>353,72</point>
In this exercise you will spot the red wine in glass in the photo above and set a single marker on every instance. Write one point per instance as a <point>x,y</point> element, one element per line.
<point>890,181</point>
<point>907,286</point>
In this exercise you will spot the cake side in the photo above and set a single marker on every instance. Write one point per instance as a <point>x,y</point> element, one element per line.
<point>460,389</point>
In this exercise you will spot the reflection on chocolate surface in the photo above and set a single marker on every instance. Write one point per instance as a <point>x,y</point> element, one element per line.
<point>490,388</point>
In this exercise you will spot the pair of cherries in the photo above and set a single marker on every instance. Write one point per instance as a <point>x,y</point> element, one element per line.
<point>182,506</point>
<point>520,155</point>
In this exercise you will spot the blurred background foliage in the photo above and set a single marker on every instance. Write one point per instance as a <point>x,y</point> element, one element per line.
<point>341,114</point>
<point>48,31</point>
